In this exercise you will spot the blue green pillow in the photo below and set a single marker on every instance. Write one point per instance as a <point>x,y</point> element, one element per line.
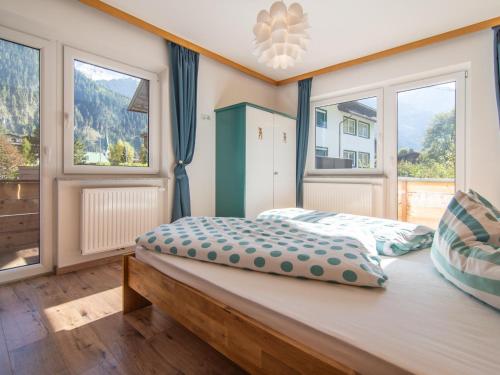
<point>466,247</point>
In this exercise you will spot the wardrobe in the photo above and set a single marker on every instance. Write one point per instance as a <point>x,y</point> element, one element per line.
<point>255,160</point>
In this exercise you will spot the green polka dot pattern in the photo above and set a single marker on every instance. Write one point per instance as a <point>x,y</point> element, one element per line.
<point>276,246</point>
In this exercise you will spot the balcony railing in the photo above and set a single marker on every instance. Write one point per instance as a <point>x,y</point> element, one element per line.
<point>423,201</point>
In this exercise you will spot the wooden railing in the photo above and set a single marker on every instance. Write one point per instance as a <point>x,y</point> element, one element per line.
<point>423,201</point>
<point>19,215</point>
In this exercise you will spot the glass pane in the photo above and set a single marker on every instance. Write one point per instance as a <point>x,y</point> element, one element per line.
<point>19,155</point>
<point>426,153</point>
<point>111,117</point>
<point>346,135</point>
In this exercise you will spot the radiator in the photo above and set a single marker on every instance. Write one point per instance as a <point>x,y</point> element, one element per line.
<point>351,198</point>
<point>111,218</point>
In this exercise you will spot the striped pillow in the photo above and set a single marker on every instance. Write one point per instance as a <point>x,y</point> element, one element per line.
<point>466,247</point>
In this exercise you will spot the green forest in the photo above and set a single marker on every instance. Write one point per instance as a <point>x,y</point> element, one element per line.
<point>102,122</point>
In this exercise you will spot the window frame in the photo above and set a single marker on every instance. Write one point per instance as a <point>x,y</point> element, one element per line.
<point>345,121</point>
<point>321,110</point>
<point>360,122</point>
<point>363,153</point>
<point>355,161</point>
<point>461,129</point>
<point>48,145</point>
<point>333,99</point>
<point>72,54</point>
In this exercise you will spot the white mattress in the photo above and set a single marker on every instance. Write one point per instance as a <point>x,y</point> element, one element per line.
<point>420,322</point>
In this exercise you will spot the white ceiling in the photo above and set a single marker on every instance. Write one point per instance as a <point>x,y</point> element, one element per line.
<point>340,29</point>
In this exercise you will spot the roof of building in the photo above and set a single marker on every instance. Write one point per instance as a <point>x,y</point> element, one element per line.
<point>140,100</point>
<point>358,109</point>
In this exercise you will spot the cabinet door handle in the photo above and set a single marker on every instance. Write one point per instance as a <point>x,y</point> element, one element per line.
<point>284,137</point>
<point>275,173</point>
<point>261,133</point>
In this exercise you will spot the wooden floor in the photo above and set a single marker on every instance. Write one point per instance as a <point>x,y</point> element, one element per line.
<point>72,324</point>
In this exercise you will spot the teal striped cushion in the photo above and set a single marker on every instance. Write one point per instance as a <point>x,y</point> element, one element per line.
<point>466,247</point>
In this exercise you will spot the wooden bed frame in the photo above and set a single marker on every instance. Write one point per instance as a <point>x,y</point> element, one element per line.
<point>252,345</point>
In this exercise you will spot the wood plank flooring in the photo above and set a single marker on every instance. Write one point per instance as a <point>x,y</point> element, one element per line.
<point>72,324</point>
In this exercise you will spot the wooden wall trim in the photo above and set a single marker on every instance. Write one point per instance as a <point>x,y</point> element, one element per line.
<point>117,13</point>
<point>399,49</point>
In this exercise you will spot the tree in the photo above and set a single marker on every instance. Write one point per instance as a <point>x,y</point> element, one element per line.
<point>79,155</point>
<point>144,155</point>
<point>439,141</point>
<point>10,159</point>
<point>437,159</point>
<point>27,152</point>
<point>121,152</point>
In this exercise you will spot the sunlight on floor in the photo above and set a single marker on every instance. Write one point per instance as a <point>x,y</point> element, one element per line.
<point>85,310</point>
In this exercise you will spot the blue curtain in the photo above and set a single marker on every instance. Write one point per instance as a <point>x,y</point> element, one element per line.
<point>303,110</point>
<point>496,49</point>
<point>183,92</point>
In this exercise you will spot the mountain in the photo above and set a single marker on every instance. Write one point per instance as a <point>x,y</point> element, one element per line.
<point>102,117</point>
<point>19,89</point>
<point>417,108</point>
<point>101,107</point>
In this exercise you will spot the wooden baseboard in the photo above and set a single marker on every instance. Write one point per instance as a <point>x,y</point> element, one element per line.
<point>254,346</point>
<point>91,263</point>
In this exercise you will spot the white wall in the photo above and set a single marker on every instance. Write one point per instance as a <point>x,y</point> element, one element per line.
<point>69,22</point>
<point>476,52</point>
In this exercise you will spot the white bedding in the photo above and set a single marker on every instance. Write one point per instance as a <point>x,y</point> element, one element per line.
<point>420,323</point>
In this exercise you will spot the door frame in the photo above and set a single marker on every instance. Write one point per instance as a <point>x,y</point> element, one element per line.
<point>391,127</point>
<point>48,146</point>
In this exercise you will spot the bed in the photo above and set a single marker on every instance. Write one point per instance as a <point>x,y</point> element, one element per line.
<point>274,324</point>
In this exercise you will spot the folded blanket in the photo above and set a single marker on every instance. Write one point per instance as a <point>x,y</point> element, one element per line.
<point>275,246</point>
<point>389,237</point>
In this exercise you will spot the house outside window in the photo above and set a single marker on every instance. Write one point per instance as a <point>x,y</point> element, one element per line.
<point>351,155</point>
<point>349,126</point>
<point>321,151</point>
<point>344,118</point>
<point>363,129</point>
<point>363,160</point>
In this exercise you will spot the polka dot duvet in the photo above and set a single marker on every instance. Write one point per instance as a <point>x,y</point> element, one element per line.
<point>276,246</point>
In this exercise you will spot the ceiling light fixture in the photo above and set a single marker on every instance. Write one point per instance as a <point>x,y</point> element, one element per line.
<point>280,35</point>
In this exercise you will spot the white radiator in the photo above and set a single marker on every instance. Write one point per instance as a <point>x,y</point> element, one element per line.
<point>111,218</point>
<point>351,198</point>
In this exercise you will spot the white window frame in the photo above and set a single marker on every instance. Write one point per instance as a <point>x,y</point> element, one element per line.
<point>72,54</point>
<point>48,146</point>
<point>360,153</point>
<point>362,123</point>
<point>354,161</point>
<point>391,126</point>
<point>346,124</point>
<point>337,99</point>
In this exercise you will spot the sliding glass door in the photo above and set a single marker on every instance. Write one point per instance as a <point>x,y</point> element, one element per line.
<point>19,155</point>
<point>430,153</point>
<point>27,169</point>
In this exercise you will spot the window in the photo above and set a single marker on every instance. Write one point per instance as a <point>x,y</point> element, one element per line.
<point>363,159</point>
<point>321,118</point>
<point>350,155</point>
<point>336,147</point>
<point>110,113</point>
<point>321,151</point>
<point>349,125</point>
<point>363,129</point>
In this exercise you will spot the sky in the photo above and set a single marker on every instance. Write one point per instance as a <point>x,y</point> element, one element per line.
<point>96,73</point>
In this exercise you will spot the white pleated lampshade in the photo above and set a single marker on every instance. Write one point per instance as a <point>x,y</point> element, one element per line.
<point>280,35</point>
